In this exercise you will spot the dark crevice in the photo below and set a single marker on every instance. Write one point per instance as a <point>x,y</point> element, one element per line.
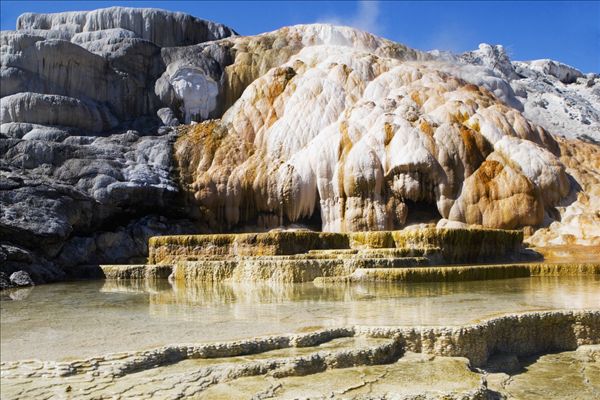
<point>421,212</point>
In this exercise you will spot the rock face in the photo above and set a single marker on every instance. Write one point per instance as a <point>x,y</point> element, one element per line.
<point>21,278</point>
<point>554,95</point>
<point>363,141</point>
<point>105,57</point>
<point>85,170</point>
<point>161,27</point>
<point>579,221</point>
<point>314,125</point>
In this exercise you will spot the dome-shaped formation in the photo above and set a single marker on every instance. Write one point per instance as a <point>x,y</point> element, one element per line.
<point>365,140</point>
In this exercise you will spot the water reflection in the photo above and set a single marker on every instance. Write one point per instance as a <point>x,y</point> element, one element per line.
<point>575,291</point>
<point>307,304</point>
<point>15,294</point>
<point>89,318</point>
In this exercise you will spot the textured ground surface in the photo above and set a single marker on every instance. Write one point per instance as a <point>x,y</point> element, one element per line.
<point>358,362</point>
<point>567,375</point>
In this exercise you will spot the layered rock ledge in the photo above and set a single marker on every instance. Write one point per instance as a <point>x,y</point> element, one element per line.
<point>425,255</point>
<point>302,256</point>
<point>494,345</point>
<point>453,245</point>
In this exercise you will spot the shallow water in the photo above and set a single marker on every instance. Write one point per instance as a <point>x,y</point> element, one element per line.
<point>84,319</point>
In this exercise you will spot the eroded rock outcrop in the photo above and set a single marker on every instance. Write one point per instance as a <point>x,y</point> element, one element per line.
<point>162,27</point>
<point>85,170</point>
<point>109,56</point>
<point>551,94</point>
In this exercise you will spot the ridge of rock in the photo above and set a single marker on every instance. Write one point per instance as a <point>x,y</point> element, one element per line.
<point>164,28</point>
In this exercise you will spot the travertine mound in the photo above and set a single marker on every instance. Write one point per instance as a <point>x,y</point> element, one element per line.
<point>165,28</point>
<point>362,141</point>
<point>107,56</point>
<point>203,81</point>
<point>86,171</point>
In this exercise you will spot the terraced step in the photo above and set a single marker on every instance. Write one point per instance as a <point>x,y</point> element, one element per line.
<point>398,252</point>
<point>352,261</point>
<point>389,262</point>
<point>453,273</point>
<point>333,251</point>
<point>298,257</point>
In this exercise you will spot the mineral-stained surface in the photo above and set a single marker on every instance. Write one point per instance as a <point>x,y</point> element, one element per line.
<point>120,124</point>
<point>365,141</point>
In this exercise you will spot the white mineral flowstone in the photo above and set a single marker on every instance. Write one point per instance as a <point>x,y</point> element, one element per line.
<point>47,109</point>
<point>361,137</point>
<point>198,92</point>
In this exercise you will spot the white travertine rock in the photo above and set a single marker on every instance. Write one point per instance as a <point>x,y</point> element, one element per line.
<point>49,109</point>
<point>492,57</point>
<point>233,63</point>
<point>109,56</point>
<point>563,72</point>
<point>167,117</point>
<point>164,28</point>
<point>539,165</point>
<point>566,103</point>
<point>556,96</point>
<point>112,33</point>
<point>559,98</point>
<point>578,222</point>
<point>59,67</point>
<point>367,140</point>
<point>198,91</point>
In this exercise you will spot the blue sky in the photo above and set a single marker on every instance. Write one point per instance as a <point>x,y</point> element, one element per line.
<point>567,31</point>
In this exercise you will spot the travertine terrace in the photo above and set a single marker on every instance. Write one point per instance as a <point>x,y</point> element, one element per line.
<point>200,130</point>
<point>223,368</point>
<point>302,256</point>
